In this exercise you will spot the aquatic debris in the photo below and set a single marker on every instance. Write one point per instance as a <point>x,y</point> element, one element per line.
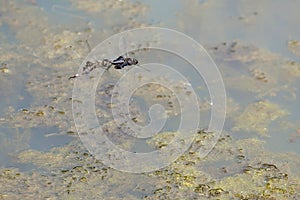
<point>4,68</point>
<point>259,75</point>
<point>161,140</point>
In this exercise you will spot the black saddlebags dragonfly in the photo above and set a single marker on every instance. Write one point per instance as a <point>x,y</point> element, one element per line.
<point>118,63</point>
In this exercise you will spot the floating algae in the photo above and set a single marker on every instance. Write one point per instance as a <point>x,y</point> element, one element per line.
<point>247,68</point>
<point>258,116</point>
<point>294,47</point>
<point>251,172</point>
<point>118,15</point>
<point>72,172</point>
<point>262,181</point>
<point>293,68</point>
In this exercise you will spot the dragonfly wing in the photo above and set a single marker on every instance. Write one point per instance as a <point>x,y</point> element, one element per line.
<point>143,68</point>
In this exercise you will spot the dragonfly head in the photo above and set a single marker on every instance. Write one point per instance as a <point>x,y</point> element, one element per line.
<point>134,61</point>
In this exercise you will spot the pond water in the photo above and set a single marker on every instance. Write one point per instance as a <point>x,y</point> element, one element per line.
<point>256,46</point>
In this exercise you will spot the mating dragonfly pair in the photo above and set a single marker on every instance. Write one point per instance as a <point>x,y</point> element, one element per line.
<point>118,63</point>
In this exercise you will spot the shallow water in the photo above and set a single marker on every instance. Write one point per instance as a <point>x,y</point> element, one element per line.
<point>255,47</point>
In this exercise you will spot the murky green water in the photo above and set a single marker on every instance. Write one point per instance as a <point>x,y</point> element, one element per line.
<point>256,46</point>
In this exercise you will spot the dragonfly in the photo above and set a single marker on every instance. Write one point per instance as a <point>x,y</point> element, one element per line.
<point>121,62</point>
<point>118,63</point>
